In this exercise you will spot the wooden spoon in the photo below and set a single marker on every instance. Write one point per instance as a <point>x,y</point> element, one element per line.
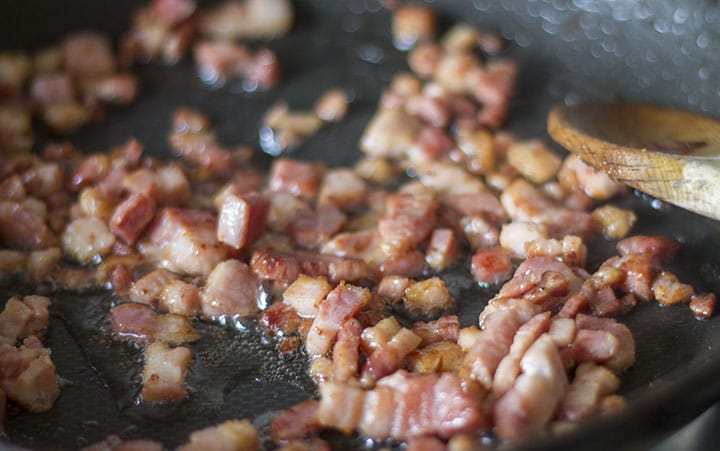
<point>670,154</point>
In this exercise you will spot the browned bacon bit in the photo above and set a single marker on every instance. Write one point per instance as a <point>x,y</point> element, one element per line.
<point>12,262</point>
<point>161,30</point>
<point>140,324</point>
<point>279,320</point>
<point>287,266</point>
<point>298,421</point>
<point>184,241</point>
<point>346,351</point>
<point>164,373</point>
<point>491,266</point>
<point>668,290</point>
<point>412,24</point>
<point>87,239</point>
<point>570,249</point>
<point>242,218</point>
<point>233,435</point>
<point>427,296</point>
<point>442,250</point>
<point>24,317</point>
<point>425,444</point>
<point>27,375</point>
<point>295,177</point>
<point>88,54</point>
<point>575,174</point>
<point>402,406</point>
<point>390,134</point>
<point>640,271</point>
<point>388,357</point>
<point>343,188</point>
<point>232,289</point>
<point>533,160</point>
<point>532,401</point>
<point>625,355</point>
<point>306,293</point>
<point>131,217</point>
<point>408,221</point>
<point>180,297</point>
<point>590,384</point>
<point>662,248</point>
<point>114,443</point>
<point>341,304</point>
<point>614,222</point>
<point>332,105</point>
<point>445,328</point>
<point>23,228</point>
<point>251,19</point>
<point>441,356</point>
<point>148,289</point>
<point>310,230</point>
<point>703,305</point>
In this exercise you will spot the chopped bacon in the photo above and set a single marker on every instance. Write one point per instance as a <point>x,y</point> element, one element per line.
<point>23,228</point>
<point>233,435</point>
<point>412,24</point>
<point>131,217</point>
<point>184,241</point>
<point>509,367</point>
<point>438,357</point>
<point>575,174</point>
<point>87,239</point>
<point>594,346</point>
<point>426,296</point>
<point>491,266</point>
<point>306,293</point>
<point>134,322</point>
<point>482,203</point>
<point>341,304</point>
<point>591,383</point>
<point>625,355</point>
<point>343,188</point>
<point>660,247</point>
<point>442,250</point>
<point>52,88</point>
<point>614,222</point>
<point>279,320</point>
<point>296,422</point>
<point>391,133</point>
<point>570,249</point>
<point>492,345</point>
<point>346,351</point>
<point>516,235</point>
<point>295,177</point>
<point>220,60</point>
<point>533,160</point>
<point>374,337</point>
<point>408,220</point>
<point>388,357</point>
<point>24,317</point>
<point>703,305</point>
<point>604,302</point>
<point>528,406</point>
<point>148,289</point>
<point>314,229</point>
<point>164,373</point>
<point>180,297</point>
<point>445,328</point>
<point>232,289</point>
<point>88,54</point>
<point>12,262</point>
<point>252,19</point>
<point>242,218</point>
<point>640,271</point>
<point>562,331</point>
<point>27,375</point>
<point>118,89</point>
<point>332,106</point>
<point>287,266</point>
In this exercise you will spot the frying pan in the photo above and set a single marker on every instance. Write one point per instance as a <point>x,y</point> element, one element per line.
<point>648,51</point>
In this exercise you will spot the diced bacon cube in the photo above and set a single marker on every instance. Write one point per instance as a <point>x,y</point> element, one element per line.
<point>88,54</point>
<point>703,305</point>
<point>86,239</point>
<point>131,217</point>
<point>570,250</point>
<point>562,331</point>
<point>391,133</point>
<point>614,222</point>
<point>148,288</point>
<point>231,436</point>
<point>515,235</point>
<point>306,293</point>
<point>442,251</point>
<point>242,219</point>
<point>314,229</point>
<point>427,296</point>
<point>625,355</point>
<point>22,318</point>
<point>343,188</point>
<point>180,297</point>
<point>388,357</point>
<point>668,290</point>
<point>437,357</point>
<point>184,241</point>
<point>491,266</point>
<point>575,174</point>
<point>534,161</point>
<point>590,384</point>
<point>341,304</point>
<point>279,320</point>
<point>175,329</point>
<point>483,204</point>
<point>134,322</point>
<point>164,373</point>
<point>295,177</point>
<point>662,248</point>
<point>52,88</point>
<point>27,375</point>
<point>408,264</point>
<point>479,232</point>
<point>332,106</point>
<point>23,228</point>
<point>232,289</point>
<point>173,186</point>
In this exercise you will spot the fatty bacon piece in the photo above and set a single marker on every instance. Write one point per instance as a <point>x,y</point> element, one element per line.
<point>138,323</point>
<point>341,304</point>
<point>24,317</point>
<point>233,435</point>
<point>605,341</point>
<point>27,375</point>
<point>163,377</point>
<point>184,241</point>
<point>528,406</point>
<point>402,406</point>
<point>389,354</point>
<point>232,289</point>
<point>24,228</point>
<point>590,384</point>
<point>346,352</point>
<point>296,422</point>
<point>242,218</point>
<point>287,266</point>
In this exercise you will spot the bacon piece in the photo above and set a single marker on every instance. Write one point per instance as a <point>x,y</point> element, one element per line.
<point>147,289</point>
<point>625,355</point>
<point>591,383</point>
<point>295,422</point>
<point>412,24</point>
<point>181,298</point>
<point>52,88</point>
<point>516,235</point>
<point>242,218</point>
<point>184,241</point>
<point>219,61</point>
<point>233,435</point>
<point>341,304</point>
<point>640,271</point>
<point>88,54</point>
<point>24,317</point>
<point>562,331</point>
<point>175,330</point>
<point>445,328</point>
<point>533,160</point>
<point>134,322</point>
<point>442,250</point>
<point>279,320</point>
<point>306,293</point>
<point>408,220</point>
<point>252,19</point>
<point>703,305</point>
<point>571,249</point>
<point>614,222</point>
<point>603,302</point>
<point>492,345</point>
<point>119,89</point>
<point>594,346</point>
<point>12,262</point>
<point>426,296</point>
<point>173,186</point>
<point>87,239</point>
<point>131,217</point>
<point>27,375</point>
<point>491,266</point>
<point>435,358</point>
<point>529,405</point>
<point>346,352</point>
<point>23,228</point>
<point>312,230</point>
<point>12,188</point>
<point>164,373</point>
<point>376,336</point>
<point>295,177</point>
<point>660,247</point>
<point>343,188</point>
<point>484,204</point>
<point>232,289</point>
<point>287,266</point>
<point>388,357</point>
<point>576,175</point>
<point>390,133</point>
<point>410,263</point>
<point>509,367</point>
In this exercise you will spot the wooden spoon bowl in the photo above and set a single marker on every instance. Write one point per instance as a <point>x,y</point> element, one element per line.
<point>670,154</point>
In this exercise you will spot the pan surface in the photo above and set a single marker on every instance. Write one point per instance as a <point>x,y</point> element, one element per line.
<point>645,51</point>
